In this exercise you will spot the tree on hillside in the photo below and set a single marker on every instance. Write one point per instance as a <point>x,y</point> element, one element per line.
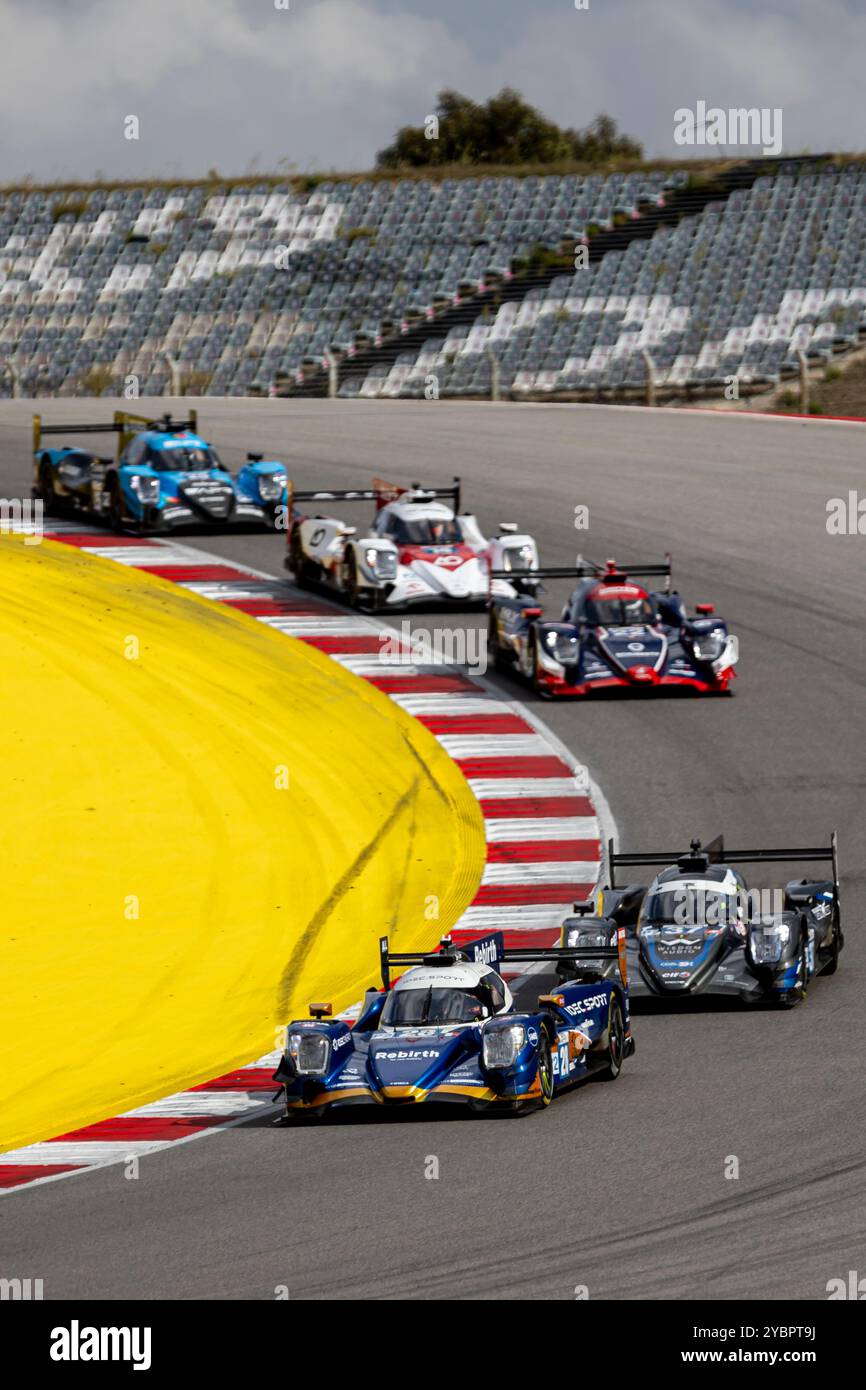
<point>503,130</point>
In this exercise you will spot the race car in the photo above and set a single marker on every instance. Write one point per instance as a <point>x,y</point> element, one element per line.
<point>420,549</point>
<point>612,635</point>
<point>698,929</point>
<point>449,1030</point>
<point>163,476</point>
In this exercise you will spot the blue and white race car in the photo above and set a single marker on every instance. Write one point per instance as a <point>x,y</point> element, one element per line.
<point>449,1030</point>
<point>163,476</point>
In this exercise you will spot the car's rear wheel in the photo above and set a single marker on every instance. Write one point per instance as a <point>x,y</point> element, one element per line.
<point>615,1042</point>
<point>831,965</point>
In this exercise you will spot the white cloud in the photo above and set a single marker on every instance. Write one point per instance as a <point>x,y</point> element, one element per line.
<point>326,83</point>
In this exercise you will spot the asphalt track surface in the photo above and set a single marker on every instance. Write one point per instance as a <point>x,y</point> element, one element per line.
<point>617,1187</point>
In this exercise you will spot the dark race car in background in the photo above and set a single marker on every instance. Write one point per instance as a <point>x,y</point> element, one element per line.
<point>613,634</point>
<point>448,1030</point>
<point>163,476</point>
<point>698,929</point>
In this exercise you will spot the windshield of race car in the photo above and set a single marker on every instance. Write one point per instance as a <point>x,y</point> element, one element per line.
<point>182,458</point>
<point>620,612</point>
<point>697,906</point>
<point>426,531</point>
<point>407,1007</point>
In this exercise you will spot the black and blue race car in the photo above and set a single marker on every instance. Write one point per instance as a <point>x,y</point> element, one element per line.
<point>612,634</point>
<point>164,475</point>
<point>449,1030</point>
<point>699,929</point>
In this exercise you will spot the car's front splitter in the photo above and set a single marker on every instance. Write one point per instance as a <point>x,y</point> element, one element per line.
<point>558,686</point>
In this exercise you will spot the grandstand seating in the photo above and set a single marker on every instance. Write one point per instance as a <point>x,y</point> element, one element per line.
<point>734,292</point>
<point>242,285</point>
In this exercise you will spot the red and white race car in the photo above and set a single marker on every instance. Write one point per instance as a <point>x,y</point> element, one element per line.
<point>420,549</point>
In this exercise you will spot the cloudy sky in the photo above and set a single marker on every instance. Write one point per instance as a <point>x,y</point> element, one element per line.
<point>323,84</point>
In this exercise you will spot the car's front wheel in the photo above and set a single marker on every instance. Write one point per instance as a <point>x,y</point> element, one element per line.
<point>297,560</point>
<point>116,508</point>
<point>353,588</point>
<point>545,1070</point>
<point>798,993</point>
<point>46,489</point>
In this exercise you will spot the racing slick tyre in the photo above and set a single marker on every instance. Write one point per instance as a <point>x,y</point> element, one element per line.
<point>545,1071</point>
<point>50,503</point>
<point>545,1078</point>
<point>495,657</point>
<point>800,990</point>
<point>353,591</point>
<point>615,1043</point>
<point>116,509</point>
<point>831,965</point>
<point>535,670</point>
<point>297,561</point>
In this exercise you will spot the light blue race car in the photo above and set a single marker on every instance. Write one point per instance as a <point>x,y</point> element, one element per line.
<point>163,476</point>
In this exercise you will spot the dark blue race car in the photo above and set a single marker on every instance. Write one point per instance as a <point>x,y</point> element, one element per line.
<point>163,476</point>
<point>699,929</point>
<point>612,635</point>
<point>449,1030</point>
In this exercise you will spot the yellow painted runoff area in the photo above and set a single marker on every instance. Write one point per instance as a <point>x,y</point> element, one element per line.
<point>205,825</point>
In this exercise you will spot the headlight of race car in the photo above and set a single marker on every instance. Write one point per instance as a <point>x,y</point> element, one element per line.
<point>271,486</point>
<point>518,559</point>
<point>383,563</point>
<point>145,488</point>
<point>562,646</point>
<point>501,1046</point>
<point>310,1053</point>
<point>708,646</point>
<point>769,941</point>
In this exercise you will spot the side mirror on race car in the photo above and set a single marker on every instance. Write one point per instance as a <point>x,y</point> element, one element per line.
<point>705,609</point>
<point>509,527</point>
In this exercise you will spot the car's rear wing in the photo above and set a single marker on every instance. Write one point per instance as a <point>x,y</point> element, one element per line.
<point>491,950</point>
<point>534,955</point>
<point>699,857</point>
<point>610,572</point>
<point>381,493</point>
<point>124,425</point>
<point>389,492</point>
<point>485,950</point>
